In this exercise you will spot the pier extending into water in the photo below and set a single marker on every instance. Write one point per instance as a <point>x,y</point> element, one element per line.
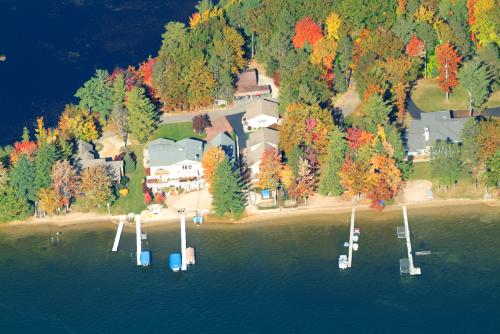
<point>138,238</point>
<point>411,269</point>
<point>351,237</point>
<point>118,234</point>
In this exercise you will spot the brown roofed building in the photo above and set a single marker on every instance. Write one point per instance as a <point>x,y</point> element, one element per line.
<point>247,85</point>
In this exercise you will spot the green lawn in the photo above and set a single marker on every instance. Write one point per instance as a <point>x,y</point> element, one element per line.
<point>176,131</point>
<point>428,97</point>
<point>421,171</point>
<point>134,202</point>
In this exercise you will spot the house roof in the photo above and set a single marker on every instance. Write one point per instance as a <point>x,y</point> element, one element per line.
<point>254,156</point>
<point>247,78</point>
<point>252,90</point>
<point>165,152</point>
<point>219,124</point>
<point>86,158</point>
<point>441,126</point>
<point>264,135</point>
<point>225,142</point>
<point>85,151</point>
<point>262,107</point>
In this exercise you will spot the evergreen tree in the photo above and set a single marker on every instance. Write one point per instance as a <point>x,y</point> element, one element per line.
<point>119,90</point>
<point>11,205</point>
<point>142,115</point>
<point>445,162</point>
<point>22,178</point>
<point>475,79</point>
<point>96,95</point>
<point>375,112</point>
<point>228,196</point>
<point>44,160</point>
<point>471,148</point>
<point>329,181</point>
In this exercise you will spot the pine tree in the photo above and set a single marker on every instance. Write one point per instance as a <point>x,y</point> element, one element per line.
<point>375,112</point>
<point>97,95</point>
<point>44,160</point>
<point>142,115</point>
<point>471,148</point>
<point>228,196</point>
<point>445,162</point>
<point>22,177</point>
<point>329,181</point>
<point>11,205</point>
<point>475,79</point>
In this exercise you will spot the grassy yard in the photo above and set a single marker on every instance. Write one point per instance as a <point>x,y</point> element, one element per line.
<point>134,202</point>
<point>421,171</point>
<point>428,97</point>
<point>176,131</point>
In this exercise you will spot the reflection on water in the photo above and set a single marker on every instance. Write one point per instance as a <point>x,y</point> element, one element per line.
<point>278,276</point>
<point>53,46</point>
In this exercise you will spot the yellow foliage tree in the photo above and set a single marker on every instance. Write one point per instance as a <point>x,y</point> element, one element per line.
<point>211,159</point>
<point>485,24</point>
<point>324,52</point>
<point>194,19</point>
<point>333,22</point>
<point>286,176</point>
<point>424,14</point>
<point>48,201</point>
<point>78,123</point>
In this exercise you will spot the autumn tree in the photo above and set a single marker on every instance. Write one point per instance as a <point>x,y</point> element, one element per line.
<point>78,123</point>
<point>211,159</point>
<point>65,182</point>
<point>201,122</point>
<point>146,72</point>
<point>286,176</point>
<point>333,23</point>
<point>384,180</point>
<point>305,182</point>
<point>329,181</point>
<point>228,196</point>
<point>483,21</point>
<point>96,186</point>
<point>27,148</point>
<point>489,138</point>
<point>48,201</point>
<point>306,30</point>
<point>355,176</point>
<point>4,177</point>
<point>142,116</point>
<point>448,67</point>
<point>415,47</point>
<point>475,78</point>
<point>269,170</point>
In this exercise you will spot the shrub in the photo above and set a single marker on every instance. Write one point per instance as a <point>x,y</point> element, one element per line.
<point>201,122</point>
<point>130,162</point>
<point>123,192</point>
<point>124,180</point>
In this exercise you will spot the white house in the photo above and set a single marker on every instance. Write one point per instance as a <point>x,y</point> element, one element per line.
<point>174,164</point>
<point>422,133</point>
<point>260,114</point>
<point>257,143</point>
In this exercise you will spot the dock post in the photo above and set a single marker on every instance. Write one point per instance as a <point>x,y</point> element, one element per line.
<point>183,240</point>
<point>351,234</point>
<point>412,269</point>
<point>138,238</point>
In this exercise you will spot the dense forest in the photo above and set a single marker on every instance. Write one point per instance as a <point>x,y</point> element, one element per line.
<point>314,50</point>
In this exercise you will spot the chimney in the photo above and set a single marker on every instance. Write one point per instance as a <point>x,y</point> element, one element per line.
<point>426,133</point>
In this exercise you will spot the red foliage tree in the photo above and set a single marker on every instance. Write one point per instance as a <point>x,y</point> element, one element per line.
<point>159,198</point>
<point>201,122</point>
<point>448,60</point>
<point>147,198</point>
<point>24,147</point>
<point>306,30</point>
<point>471,18</point>
<point>415,47</point>
<point>358,137</point>
<point>146,72</point>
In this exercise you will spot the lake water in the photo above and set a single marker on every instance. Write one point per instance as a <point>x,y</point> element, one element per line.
<point>53,46</point>
<point>279,277</point>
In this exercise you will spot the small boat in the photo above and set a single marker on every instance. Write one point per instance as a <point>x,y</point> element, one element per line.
<point>355,238</point>
<point>175,262</point>
<point>145,258</point>
<point>342,261</point>
<point>346,244</point>
<point>357,231</point>
<point>355,246</point>
<point>198,219</point>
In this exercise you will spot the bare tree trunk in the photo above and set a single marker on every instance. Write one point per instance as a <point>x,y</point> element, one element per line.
<point>446,77</point>
<point>253,46</point>
<point>470,103</point>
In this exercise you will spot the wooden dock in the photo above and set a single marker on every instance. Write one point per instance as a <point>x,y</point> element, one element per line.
<point>351,236</point>
<point>138,238</point>
<point>411,268</point>
<point>118,234</point>
<point>183,240</point>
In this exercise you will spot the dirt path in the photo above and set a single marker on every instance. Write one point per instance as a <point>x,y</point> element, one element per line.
<point>348,101</point>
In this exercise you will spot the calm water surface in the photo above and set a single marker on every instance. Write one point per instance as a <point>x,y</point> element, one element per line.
<point>53,46</point>
<point>280,277</point>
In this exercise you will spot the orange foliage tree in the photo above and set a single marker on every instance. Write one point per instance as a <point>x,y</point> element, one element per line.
<point>384,180</point>
<point>24,147</point>
<point>448,60</point>
<point>269,169</point>
<point>146,72</point>
<point>305,184</point>
<point>306,30</point>
<point>211,159</point>
<point>358,137</point>
<point>489,139</point>
<point>355,176</point>
<point>415,47</point>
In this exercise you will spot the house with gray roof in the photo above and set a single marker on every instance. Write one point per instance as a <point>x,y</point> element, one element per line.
<point>174,164</point>
<point>87,157</point>
<point>226,143</point>
<point>257,143</point>
<point>261,114</point>
<point>432,126</point>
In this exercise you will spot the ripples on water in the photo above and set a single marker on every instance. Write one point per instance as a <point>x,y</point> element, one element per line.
<point>280,277</point>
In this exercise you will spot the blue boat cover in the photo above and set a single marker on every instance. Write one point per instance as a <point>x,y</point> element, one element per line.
<point>266,194</point>
<point>175,261</point>
<point>145,258</point>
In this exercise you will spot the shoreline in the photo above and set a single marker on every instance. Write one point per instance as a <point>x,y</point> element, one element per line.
<point>255,218</point>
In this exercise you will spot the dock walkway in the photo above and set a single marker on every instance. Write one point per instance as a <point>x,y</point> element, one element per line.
<point>118,234</point>
<point>138,238</point>
<point>411,268</point>
<point>351,237</point>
